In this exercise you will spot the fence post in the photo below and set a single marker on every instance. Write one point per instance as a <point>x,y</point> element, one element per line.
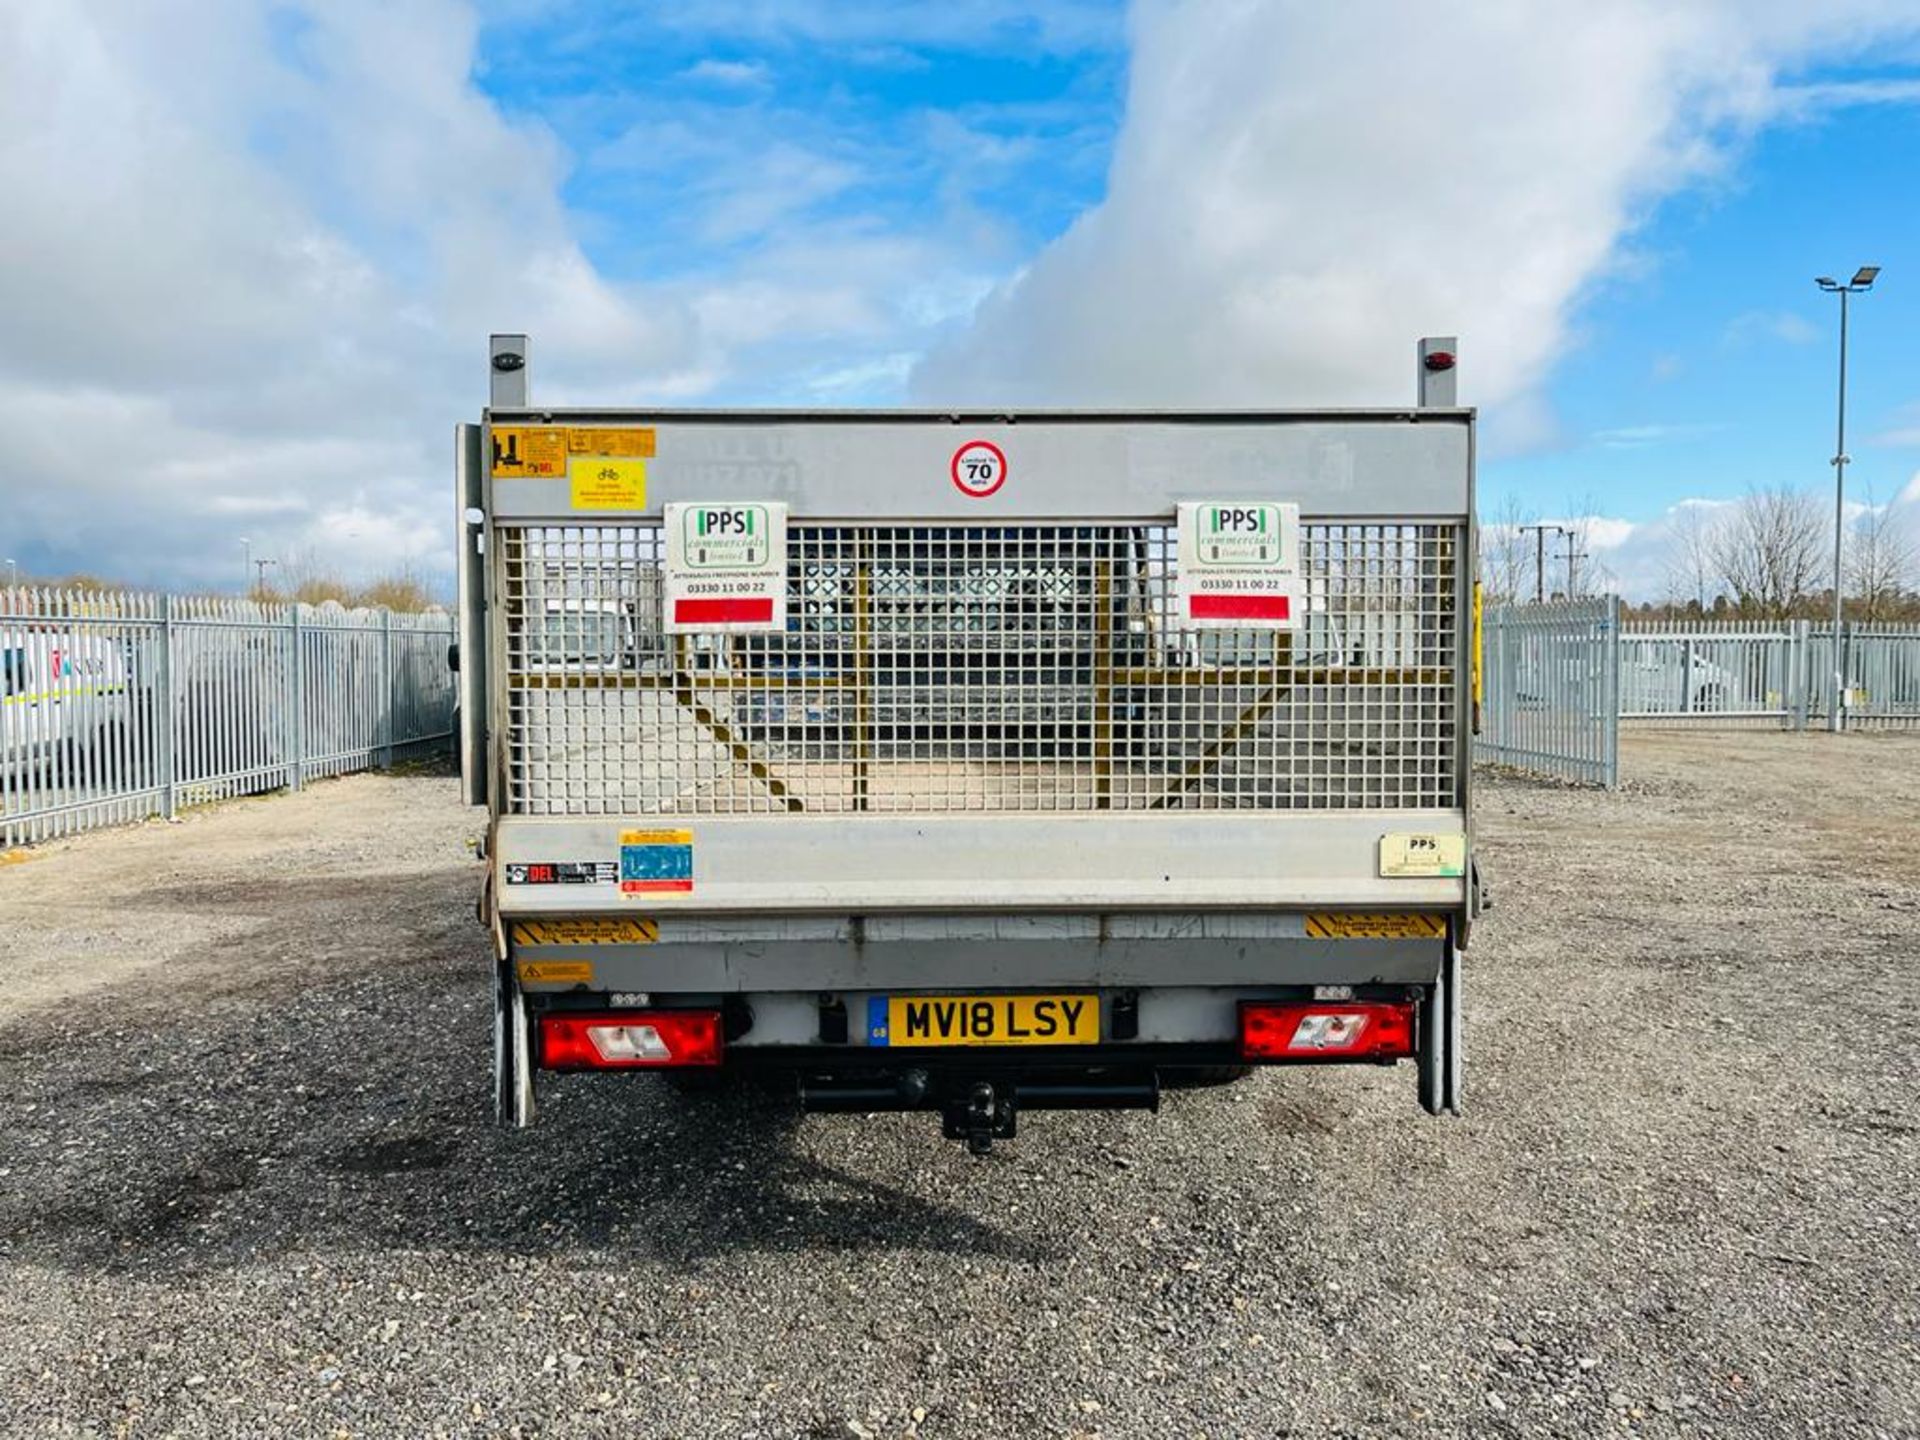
<point>1843,669</point>
<point>1611,684</point>
<point>386,688</point>
<point>163,709</point>
<point>1799,674</point>
<point>297,704</point>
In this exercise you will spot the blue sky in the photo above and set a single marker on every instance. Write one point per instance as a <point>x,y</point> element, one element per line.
<point>1708,362</point>
<point>262,293</point>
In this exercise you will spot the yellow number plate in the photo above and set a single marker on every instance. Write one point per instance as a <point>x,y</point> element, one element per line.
<point>901,1020</point>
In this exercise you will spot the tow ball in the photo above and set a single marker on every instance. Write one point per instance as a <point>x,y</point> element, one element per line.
<point>984,1116</point>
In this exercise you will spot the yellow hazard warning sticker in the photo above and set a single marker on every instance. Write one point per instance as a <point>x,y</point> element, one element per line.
<point>556,972</point>
<point>1423,856</point>
<point>606,482</point>
<point>631,442</point>
<point>522,452</point>
<point>1348,925</point>
<point>585,930</point>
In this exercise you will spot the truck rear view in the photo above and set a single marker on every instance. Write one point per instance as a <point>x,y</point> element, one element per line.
<point>971,762</point>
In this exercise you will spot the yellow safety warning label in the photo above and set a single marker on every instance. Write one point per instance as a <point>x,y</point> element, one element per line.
<point>1348,925</point>
<point>630,442</point>
<point>521,452</point>
<point>606,482</point>
<point>1409,857</point>
<point>585,931</point>
<point>556,972</point>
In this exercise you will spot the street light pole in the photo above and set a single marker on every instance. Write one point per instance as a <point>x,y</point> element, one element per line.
<point>1861,282</point>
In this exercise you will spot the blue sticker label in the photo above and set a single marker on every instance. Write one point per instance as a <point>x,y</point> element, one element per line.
<point>877,1020</point>
<point>653,861</point>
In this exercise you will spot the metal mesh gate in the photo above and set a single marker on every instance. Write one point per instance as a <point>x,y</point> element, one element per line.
<point>940,668</point>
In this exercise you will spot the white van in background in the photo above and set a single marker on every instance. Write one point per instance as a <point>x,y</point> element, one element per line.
<point>67,705</point>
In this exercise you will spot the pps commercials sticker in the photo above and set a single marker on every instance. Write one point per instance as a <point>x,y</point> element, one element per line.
<point>726,567</point>
<point>1239,566</point>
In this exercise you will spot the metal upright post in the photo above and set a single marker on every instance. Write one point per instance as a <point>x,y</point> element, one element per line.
<point>386,688</point>
<point>1611,727</point>
<point>296,705</point>
<point>1799,672</point>
<point>1836,716</point>
<point>163,708</point>
<point>1861,282</point>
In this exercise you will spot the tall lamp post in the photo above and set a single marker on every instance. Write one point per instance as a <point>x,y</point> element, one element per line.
<point>1861,282</point>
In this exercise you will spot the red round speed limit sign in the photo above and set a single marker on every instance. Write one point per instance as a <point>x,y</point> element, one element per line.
<point>978,469</point>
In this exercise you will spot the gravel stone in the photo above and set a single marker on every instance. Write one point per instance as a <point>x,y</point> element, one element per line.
<point>249,1183</point>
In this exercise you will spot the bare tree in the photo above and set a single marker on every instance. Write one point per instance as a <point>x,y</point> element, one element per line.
<point>1881,561</point>
<point>1690,552</point>
<point>1769,552</point>
<point>1506,559</point>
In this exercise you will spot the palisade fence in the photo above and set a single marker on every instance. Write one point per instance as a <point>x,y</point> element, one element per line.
<point>1773,675</point>
<point>1550,692</point>
<point>116,706</point>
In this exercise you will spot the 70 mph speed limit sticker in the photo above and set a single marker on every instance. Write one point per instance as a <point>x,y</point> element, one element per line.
<point>978,468</point>
<point>1239,566</point>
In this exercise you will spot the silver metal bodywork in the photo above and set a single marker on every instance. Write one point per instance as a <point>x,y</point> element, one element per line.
<point>982,754</point>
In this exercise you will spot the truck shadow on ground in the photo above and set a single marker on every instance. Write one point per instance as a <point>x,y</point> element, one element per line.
<point>355,1116</point>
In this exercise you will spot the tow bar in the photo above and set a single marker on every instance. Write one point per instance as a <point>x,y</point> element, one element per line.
<point>981,1108</point>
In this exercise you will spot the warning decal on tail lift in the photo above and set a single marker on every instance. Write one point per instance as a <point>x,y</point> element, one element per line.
<point>726,567</point>
<point>1239,566</point>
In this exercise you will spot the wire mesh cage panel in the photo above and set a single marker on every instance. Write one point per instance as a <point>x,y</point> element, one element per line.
<point>977,668</point>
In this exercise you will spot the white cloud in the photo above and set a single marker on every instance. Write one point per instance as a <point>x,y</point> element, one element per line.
<point>1784,326</point>
<point>1642,437</point>
<point>253,250</point>
<point>1299,190</point>
<point>747,74</point>
<point>1639,558</point>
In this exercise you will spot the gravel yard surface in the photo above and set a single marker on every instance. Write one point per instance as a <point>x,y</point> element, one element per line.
<point>248,1183</point>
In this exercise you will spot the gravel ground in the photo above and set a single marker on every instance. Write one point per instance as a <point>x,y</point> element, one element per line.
<point>247,1183</point>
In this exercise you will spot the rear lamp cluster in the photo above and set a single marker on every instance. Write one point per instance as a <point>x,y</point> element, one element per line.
<point>629,1039</point>
<point>1350,1030</point>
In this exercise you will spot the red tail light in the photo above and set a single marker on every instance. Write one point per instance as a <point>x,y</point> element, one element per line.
<point>1351,1030</point>
<point>629,1039</point>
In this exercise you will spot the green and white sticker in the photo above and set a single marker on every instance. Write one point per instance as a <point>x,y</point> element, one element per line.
<point>726,567</point>
<point>1239,565</point>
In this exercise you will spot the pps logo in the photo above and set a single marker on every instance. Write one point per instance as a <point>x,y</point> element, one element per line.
<point>1241,535</point>
<point>726,537</point>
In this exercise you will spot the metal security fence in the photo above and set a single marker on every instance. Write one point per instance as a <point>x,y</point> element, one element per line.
<point>115,706</point>
<point>1550,697</point>
<point>1771,675</point>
